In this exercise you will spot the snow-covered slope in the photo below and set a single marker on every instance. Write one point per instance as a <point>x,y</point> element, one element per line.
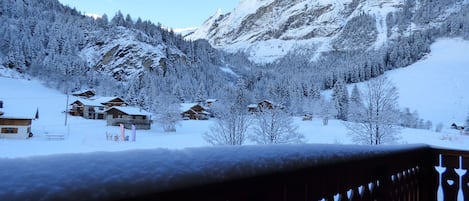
<point>437,86</point>
<point>269,29</point>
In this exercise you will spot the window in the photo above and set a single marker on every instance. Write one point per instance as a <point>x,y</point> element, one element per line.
<point>9,130</point>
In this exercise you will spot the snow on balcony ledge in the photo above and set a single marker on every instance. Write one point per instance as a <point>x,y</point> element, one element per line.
<point>118,175</point>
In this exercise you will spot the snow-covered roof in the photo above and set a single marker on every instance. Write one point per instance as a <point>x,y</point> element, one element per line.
<point>115,176</point>
<point>104,99</point>
<point>7,116</point>
<point>252,105</point>
<point>87,102</point>
<point>131,110</point>
<point>211,100</point>
<point>187,106</point>
<point>17,113</point>
<point>83,91</point>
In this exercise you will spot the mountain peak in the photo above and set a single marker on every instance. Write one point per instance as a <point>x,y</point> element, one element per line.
<point>255,26</point>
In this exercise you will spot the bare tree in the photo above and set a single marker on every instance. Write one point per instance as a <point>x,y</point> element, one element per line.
<point>232,119</point>
<point>275,126</point>
<point>230,127</point>
<point>378,123</point>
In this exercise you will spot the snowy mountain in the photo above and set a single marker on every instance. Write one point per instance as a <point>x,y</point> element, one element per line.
<point>120,55</point>
<point>270,29</point>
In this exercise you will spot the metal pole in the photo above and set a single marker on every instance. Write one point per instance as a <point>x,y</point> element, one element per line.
<point>66,110</point>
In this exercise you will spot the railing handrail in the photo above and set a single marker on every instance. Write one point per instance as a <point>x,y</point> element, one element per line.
<point>280,172</point>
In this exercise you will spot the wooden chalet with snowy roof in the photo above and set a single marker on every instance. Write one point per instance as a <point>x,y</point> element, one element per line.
<point>84,93</point>
<point>94,108</point>
<point>111,101</point>
<point>15,124</point>
<point>209,102</point>
<point>87,109</point>
<point>128,116</point>
<point>194,111</point>
<point>265,104</point>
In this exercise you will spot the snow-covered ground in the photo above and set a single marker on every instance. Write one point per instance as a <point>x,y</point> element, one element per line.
<point>437,86</point>
<point>434,87</point>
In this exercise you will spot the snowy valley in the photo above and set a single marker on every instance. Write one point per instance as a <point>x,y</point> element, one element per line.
<point>438,100</point>
<point>368,88</point>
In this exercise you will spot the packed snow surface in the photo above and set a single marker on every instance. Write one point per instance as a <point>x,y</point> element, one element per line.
<point>121,175</point>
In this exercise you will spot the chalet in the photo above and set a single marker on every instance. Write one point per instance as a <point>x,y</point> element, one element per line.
<point>128,116</point>
<point>457,127</point>
<point>252,107</point>
<point>15,126</point>
<point>87,109</point>
<point>307,117</point>
<point>194,111</point>
<point>265,104</point>
<point>209,102</point>
<point>94,108</point>
<point>84,93</point>
<point>111,101</point>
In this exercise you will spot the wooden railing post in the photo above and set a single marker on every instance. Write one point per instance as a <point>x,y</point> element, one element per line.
<point>429,177</point>
<point>465,177</point>
<point>449,178</point>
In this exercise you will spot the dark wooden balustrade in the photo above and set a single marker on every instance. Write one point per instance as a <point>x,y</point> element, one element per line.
<point>301,173</point>
<point>409,175</point>
<point>452,183</point>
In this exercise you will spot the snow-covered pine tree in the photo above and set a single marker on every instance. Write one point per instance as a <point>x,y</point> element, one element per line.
<point>356,108</point>
<point>327,111</point>
<point>168,112</point>
<point>341,99</point>
<point>118,19</point>
<point>200,95</point>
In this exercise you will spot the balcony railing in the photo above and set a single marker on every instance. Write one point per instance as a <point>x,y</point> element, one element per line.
<point>283,173</point>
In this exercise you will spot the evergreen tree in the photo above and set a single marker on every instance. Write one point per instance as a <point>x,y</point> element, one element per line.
<point>341,99</point>
<point>168,113</point>
<point>356,104</point>
<point>327,111</point>
<point>118,19</point>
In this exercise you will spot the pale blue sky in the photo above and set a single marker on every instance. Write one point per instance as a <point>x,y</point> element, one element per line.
<point>170,13</point>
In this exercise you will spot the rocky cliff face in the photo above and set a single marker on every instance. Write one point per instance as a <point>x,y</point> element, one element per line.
<point>269,29</point>
<point>121,55</point>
